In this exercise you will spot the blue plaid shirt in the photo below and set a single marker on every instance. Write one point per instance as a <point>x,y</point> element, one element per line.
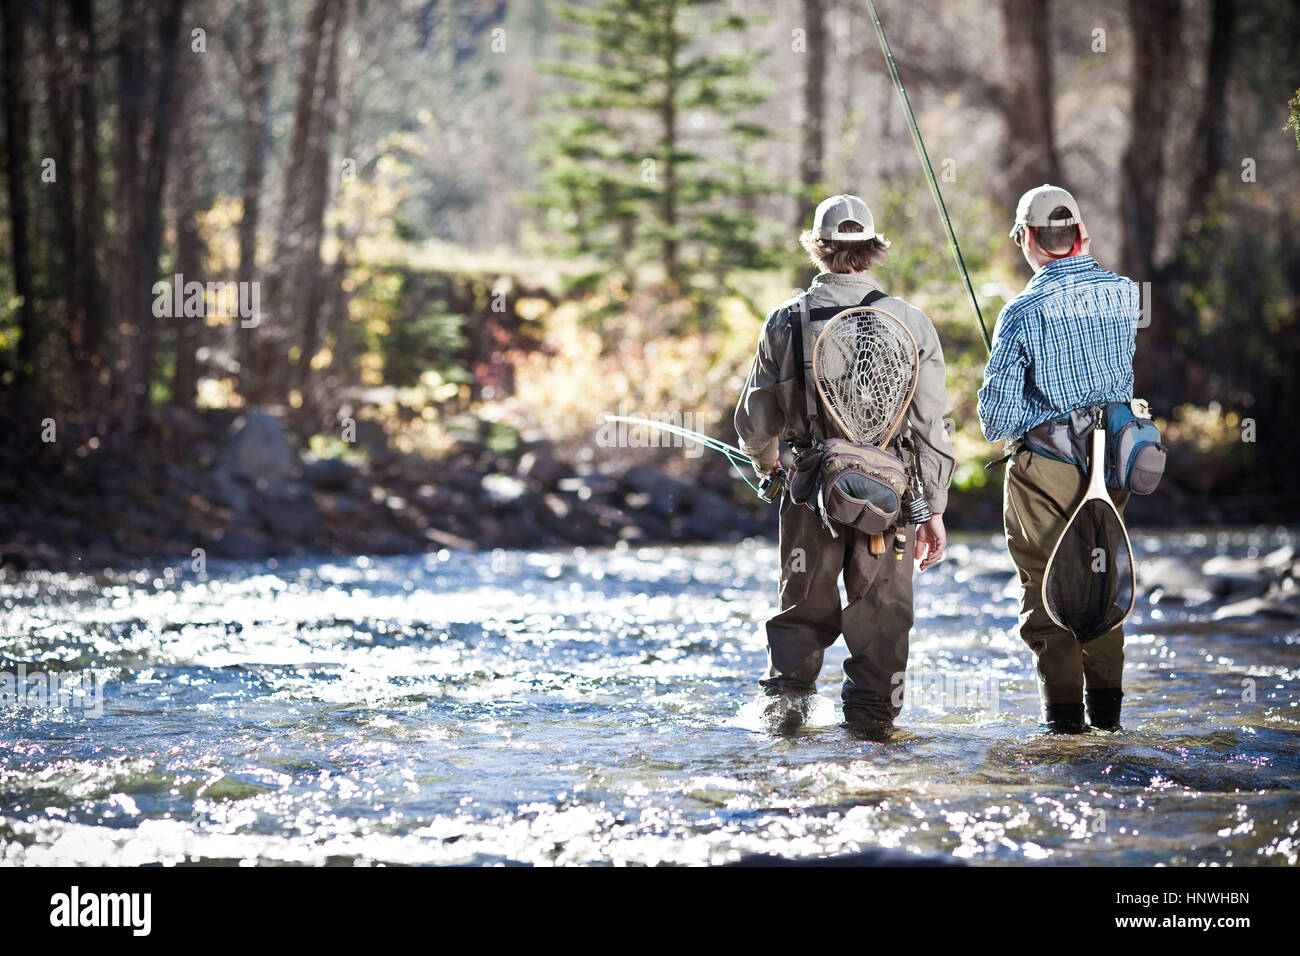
<point>1065,342</point>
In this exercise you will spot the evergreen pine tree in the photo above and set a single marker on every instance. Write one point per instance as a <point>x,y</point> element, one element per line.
<point>648,156</point>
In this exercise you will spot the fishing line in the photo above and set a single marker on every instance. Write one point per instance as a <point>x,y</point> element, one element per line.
<point>734,455</point>
<point>929,170</point>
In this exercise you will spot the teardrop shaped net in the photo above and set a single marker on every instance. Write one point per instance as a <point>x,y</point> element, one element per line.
<point>1088,585</point>
<point>864,363</point>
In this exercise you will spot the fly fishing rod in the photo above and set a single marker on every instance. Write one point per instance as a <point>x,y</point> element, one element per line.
<point>925,163</point>
<point>768,489</point>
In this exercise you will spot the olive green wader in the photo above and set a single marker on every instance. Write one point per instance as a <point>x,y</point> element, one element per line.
<point>1039,496</point>
<point>875,622</point>
<point>878,617</point>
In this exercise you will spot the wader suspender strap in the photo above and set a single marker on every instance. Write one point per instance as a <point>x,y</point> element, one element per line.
<point>803,350</point>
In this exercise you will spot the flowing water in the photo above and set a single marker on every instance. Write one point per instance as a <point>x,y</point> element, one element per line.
<point>600,707</point>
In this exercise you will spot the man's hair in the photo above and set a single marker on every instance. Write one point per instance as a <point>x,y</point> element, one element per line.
<point>1056,239</point>
<point>832,255</point>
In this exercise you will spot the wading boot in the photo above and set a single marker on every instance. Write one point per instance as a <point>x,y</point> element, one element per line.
<point>1103,708</point>
<point>866,724</point>
<point>1064,718</point>
<point>787,711</point>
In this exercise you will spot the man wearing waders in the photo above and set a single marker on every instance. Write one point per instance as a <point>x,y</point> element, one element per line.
<point>1065,343</point>
<point>876,622</point>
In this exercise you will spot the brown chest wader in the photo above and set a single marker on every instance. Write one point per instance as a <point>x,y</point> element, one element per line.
<point>876,622</point>
<point>1039,495</point>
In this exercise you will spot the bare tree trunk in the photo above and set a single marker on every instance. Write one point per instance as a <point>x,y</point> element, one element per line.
<point>297,257</point>
<point>17,135</point>
<point>1156,74</point>
<point>1029,154</point>
<point>1157,71</point>
<point>189,243</point>
<point>338,328</point>
<point>318,197</point>
<point>158,152</point>
<point>256,94</point>
<point>812,146</point>
<point>1211,134</point>
<point>144,129</point>
<point>668,144</point>
<point>87,294</point>
<point>62,145</point>
<point>130,110</point>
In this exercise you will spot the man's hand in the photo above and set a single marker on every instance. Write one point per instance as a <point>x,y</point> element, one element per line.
<point>931,539</point>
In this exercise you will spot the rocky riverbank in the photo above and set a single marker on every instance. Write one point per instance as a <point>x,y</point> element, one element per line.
<point>220,485</point>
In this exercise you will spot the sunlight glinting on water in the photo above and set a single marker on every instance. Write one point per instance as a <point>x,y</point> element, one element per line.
<point>601,706</point>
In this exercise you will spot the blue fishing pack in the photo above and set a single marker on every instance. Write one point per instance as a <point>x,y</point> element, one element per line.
<point>1135,456</point>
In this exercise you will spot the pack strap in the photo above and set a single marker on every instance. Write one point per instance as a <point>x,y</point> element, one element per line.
<point>802,337</point>
<point>803,357</point>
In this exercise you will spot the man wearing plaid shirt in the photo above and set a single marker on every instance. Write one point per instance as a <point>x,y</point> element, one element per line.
<point>1064,343</point>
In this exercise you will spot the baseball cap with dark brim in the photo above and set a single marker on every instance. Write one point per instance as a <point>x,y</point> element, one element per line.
<point>1036,206</point>
<point>834,212</point>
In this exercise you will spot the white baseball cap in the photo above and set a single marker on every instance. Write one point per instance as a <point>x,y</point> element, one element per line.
<point>836,211</point>
<point>1036,206</point>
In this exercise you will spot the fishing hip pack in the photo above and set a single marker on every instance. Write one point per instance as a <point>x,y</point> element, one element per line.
<point>855,485</point>
<point>1135,456</point>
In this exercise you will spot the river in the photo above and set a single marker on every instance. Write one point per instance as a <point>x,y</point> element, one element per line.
<point>600,706</point>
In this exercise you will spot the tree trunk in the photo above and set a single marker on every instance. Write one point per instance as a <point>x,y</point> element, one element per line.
<point>296,268</point>
<point>189,243</point>
<point>668,145</point>
<point>62,141</point>
<point>91,307</point>
<point>812,146</point>
<point>334,309</point>
<point>1156,75</point>
<point>256,94</point>
<point>1211,135</point>
<point>1029,156</point>
<point>1156,26</point>
<point>17,136</point>
<point>130,110</point>
<point>317,200</point>
<point>158,152</point>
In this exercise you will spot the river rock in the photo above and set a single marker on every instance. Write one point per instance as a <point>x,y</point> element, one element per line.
<point>708,508</point>
<point>542,468</point>
<point>668,496</point>
<point>371,436</point>
<point>590,487</point>
<point>1279,608</point>
<point>256,448</point>
<point>1176,579</point>
<point>328,474</point>
<point>1269,564</point>
<point>237,544</point>
<point>467,445</point>
<point>503,491</point>
<point>182,424</point>
<point>287,511</point>
<point>220,488</point>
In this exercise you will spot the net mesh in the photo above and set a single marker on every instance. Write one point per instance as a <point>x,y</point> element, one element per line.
<point>1088,585</point>
<point>864,363</point>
